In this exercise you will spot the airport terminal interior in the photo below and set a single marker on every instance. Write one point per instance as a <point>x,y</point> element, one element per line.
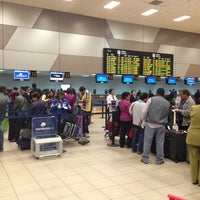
<point>80,39</point>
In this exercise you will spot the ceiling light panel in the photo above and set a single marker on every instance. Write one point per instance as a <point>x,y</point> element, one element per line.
<point>149,12</point>
<point>179,19</point>
<point>112,4</point>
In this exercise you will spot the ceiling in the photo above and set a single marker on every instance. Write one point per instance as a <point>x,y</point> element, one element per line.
<point>129,11</point>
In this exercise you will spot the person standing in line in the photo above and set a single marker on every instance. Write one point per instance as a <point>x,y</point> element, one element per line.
<point>155,113</point>
<point>133,97</point>
<point>184,109</point>
<point>3,109</point>
<point>125,117</point>
<point>86,104</point>
<point>135,110</point>
<point>193,142</point>
<point>111,98</point>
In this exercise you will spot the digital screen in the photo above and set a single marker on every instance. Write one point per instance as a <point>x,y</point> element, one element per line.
<point>101,78</point>
<point>189,81</point>
<point>127,79</point>
<point>65,86</point>
<point>150,80</point>
<point>171,80</point>
<point>21,75</point>
<point>118,61</point>
<point>56,76</point>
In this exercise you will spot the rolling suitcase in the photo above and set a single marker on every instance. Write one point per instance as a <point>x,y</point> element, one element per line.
<point>24,143</point>
<point>177,146</point>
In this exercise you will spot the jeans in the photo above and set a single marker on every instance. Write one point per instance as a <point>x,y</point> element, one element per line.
<point>148,137</point>
<point>1,136</point>
<point>138,139</point>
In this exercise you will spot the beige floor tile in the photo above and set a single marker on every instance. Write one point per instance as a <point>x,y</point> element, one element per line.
<point>97,195</point>
<point>154,195</point>
<point>73,179</point>
<point>26,188</point>
<point>7,191</point>
<point>103,183</point>
<point>39,195</point>
<point>136,187</point>
<point>81,188</point>
<point>72,197</point>
<point>115,191</point>
<point>51,183</point>
<point>130,197</point>
<point>58,192</point>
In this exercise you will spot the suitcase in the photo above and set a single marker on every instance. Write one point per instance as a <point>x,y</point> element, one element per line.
<point>69,129</point>
<point>24,143</point>
<point>177,146</point>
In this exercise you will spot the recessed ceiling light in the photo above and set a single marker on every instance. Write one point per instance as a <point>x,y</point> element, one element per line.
<point>112,4</point>
<point>149,12</point>
<point>181,18</point>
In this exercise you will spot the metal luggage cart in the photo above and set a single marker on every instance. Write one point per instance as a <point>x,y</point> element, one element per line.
<point>44,140</point>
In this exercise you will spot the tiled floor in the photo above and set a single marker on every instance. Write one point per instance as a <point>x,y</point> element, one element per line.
<point>91,172</point>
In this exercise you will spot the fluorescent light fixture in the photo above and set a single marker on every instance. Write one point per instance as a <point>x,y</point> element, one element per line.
<point>181,18</point>
<point>112,4</point>
<point>149,12</point>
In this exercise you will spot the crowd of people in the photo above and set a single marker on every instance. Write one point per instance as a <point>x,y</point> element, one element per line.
<point>21,104</point>
<point>151,114</point>
<point>147,113</point>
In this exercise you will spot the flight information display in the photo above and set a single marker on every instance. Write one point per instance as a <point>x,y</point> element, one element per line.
<point>118,61</point>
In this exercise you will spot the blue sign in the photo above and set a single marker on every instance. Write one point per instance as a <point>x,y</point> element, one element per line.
<point>44,127</point>
<point>18,75</point>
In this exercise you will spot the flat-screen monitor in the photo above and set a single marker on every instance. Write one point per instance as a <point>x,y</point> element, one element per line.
<point>127,79</point>
<point>65,86</point>
<point>150,79</point>
<point>189,81</point>
<point>21,75</point>
<point>101,78</point>
<point>171,80</point>
<point>56,76</point>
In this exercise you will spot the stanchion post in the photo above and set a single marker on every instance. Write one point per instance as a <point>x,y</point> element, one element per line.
<point>102,109</point>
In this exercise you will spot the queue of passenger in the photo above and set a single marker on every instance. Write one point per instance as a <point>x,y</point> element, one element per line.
<point>24,103</point>
<point>151,114</point>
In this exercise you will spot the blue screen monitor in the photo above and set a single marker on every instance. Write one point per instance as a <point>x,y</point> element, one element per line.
<point>189,81</point>
<point>150,80</point>
<point>171,80</point>
<point>127,79</point>
<point>101,78</point>
<point>21,75</point>
<point>57,76</point>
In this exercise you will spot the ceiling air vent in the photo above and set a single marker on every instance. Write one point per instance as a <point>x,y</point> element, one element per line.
<point>155,2</point>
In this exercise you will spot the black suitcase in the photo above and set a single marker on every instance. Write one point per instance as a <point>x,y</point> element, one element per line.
<point>177,146</point>
<point>24,143</point>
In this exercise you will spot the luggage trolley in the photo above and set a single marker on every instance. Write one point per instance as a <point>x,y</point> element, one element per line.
<point>44,140</point>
